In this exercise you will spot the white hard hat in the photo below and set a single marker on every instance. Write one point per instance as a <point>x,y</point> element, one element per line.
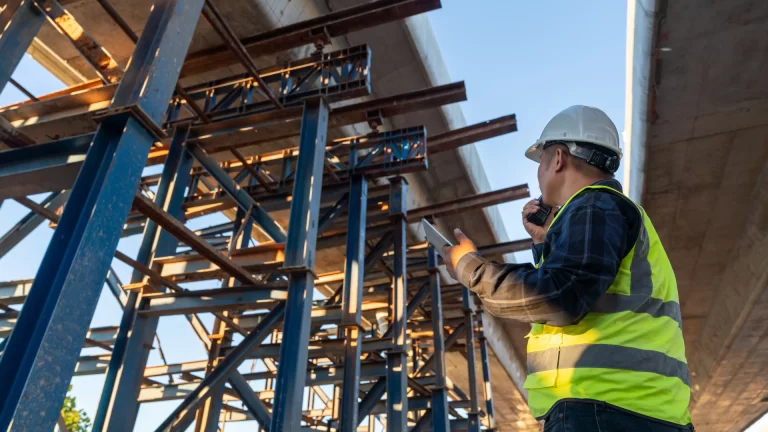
<point>578,124</point>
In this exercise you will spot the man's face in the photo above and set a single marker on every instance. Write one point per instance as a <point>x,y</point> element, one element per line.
<point>545,175</point>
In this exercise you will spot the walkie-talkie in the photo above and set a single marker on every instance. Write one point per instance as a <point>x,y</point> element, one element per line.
<point>541,215</point>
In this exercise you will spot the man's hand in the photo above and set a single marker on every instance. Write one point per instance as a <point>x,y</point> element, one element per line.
<point>537,233</point>
<point>454,253</point>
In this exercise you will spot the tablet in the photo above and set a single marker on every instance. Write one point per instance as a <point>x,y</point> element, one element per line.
<point>434,238</point>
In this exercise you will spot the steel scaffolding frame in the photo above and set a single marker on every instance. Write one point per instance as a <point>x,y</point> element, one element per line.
<point>381,325</point>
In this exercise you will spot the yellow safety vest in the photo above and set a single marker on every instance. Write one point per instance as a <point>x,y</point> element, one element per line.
<point>628,351</point>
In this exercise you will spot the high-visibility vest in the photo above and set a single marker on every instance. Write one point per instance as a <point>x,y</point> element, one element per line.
<point>628,351</point>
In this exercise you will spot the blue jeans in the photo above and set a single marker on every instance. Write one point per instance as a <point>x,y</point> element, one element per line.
<point>576,416</point>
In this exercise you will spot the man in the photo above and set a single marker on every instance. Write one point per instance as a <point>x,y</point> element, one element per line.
<point>605,351</point>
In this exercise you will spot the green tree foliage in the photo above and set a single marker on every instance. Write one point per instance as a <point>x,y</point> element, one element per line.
<point>76,420</point>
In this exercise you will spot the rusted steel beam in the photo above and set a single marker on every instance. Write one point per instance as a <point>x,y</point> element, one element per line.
<point>317,31</point>
<point>467,135</point>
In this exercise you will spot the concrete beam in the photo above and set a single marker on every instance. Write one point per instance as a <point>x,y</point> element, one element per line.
<point>731,350</point>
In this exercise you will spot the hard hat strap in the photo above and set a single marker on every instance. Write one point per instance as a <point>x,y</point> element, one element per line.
<point>609,163</point>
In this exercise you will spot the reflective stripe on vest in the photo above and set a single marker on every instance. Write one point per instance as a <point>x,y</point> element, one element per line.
<point>628,350</point>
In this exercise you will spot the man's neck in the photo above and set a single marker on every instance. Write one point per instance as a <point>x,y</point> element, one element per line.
<point>572,186</point>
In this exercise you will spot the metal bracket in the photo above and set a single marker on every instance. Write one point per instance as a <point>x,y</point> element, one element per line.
<point>138,114</point>
<point>375,119</point>
<point>320,39</point>
<point>297,269</point>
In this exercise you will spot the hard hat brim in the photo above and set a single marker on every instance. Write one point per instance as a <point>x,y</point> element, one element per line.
<point>534,152</point>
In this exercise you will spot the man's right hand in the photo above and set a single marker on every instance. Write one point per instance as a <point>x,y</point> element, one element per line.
<point>537,233</point>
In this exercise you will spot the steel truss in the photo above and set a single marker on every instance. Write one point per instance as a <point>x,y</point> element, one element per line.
<point>385,323</point>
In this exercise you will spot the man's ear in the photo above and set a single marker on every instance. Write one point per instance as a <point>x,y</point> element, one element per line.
<point>559,159</point>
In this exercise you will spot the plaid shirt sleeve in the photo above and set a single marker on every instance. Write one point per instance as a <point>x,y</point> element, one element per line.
<point>583,250</point>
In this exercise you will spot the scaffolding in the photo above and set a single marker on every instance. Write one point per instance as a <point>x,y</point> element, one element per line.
<point>379,325</point>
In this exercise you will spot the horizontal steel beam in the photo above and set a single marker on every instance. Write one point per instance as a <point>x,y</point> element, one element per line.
<point>320,314</point>
<point>213,300</point>
<point>274,201</point>
<point>316,30</point>
<point>316,348</point>
<point>94,365</point>
<point>14,292</point>
<point>419,403</point>
<point>91,97</point>
<point>456,138</point>
<point>285,123</point>
<point>268,257</point>
<point>42,168</point>
<point>463,204</point>
<point>102,335</point>
<point>453,207</point>
<point>181,232</point>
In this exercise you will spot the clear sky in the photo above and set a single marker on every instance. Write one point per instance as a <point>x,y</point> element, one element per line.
<point>533,59</point>
<point>528,58</point>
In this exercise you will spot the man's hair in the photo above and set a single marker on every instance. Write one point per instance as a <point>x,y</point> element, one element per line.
<point>580,164</point>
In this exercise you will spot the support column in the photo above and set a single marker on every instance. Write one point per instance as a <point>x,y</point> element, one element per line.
<point>20,22</point>
<point>208,415</point>
<point>169,195</point>
<point>485,361</point>
<point>300,262</point>
<point>473,420</point>
<point>440,420</point>
<point>42,352</point>
<point>352,302</point>
<point>397,366</point>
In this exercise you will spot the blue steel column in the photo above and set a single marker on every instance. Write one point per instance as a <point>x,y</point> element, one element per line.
<point>177,163</point>
<point>123,405</point>
<point>208,415</point>
<point>352,302</point>
<point>485,361</point>
<point>440,420</point>
<point>397,367</point>
<point>40,358</point>
<point>19,23</point>
<point>300,263</point>
<point>473,421</point>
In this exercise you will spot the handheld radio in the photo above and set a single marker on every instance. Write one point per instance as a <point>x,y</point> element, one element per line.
<point>540,217</point>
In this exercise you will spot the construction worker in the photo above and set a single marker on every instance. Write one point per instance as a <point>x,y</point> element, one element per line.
<point>605,351</point>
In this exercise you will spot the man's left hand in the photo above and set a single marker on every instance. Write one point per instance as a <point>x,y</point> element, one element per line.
<point>454,253</point>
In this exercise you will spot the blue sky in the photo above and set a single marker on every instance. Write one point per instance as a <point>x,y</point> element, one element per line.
<point>533,59</point>
<point>529,58</point>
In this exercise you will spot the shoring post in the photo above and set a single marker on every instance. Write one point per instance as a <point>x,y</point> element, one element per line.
<point>473,419</point>
<point>440,420</point>
<point>20,21</point>
<point>42,352</point>
<point>352,302</point>
<point>397,366</point>
<point>170,192</point>
<point>485,361</point>
<point>299,263</point>
<point>208,414</point>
